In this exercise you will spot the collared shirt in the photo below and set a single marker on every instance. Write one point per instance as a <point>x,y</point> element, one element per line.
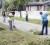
<point>44,17</point>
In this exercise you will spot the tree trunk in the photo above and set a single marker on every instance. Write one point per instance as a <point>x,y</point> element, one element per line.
<point>20,15</point>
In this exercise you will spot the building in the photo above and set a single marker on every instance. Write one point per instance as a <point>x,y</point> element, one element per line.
<point>40,0</point>
<point>34,6</point>
<point>38,6</point>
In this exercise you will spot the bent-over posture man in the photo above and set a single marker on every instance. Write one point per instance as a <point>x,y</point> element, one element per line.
<point>44,23</point>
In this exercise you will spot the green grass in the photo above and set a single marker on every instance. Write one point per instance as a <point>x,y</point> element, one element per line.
<point>49,13</point>
<point>29,20</point>
<point>48,9</point>
<point>35,21</point>
<point>0,14</point>
<point>16,37</point>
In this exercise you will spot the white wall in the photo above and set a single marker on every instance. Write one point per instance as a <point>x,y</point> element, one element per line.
<point>33,8</point>
<point>17,14</point>
<point>31,14</point>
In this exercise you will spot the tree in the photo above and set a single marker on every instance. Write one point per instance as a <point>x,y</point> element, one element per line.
<point>22,4</point>
<point>20,9</point>
<point>15,5</point>
<point>0,4</point>
<point>6,6</point>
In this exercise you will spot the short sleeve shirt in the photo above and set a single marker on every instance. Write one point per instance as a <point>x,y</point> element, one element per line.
<point>44,17</point>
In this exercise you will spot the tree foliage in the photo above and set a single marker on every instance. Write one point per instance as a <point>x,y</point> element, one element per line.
<point>14,4</point>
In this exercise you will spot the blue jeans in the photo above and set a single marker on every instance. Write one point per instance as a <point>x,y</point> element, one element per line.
<point>10,23</point>
<point>45,25</point>
<point>4,18</point>
<point>26,18</point>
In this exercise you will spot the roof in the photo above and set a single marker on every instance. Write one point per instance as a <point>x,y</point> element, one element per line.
<point>39,3</point>
<point>35,4</point>
<point>47,2</point>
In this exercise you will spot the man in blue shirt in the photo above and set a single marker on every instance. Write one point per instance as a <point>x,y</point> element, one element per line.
<point>44,23</point>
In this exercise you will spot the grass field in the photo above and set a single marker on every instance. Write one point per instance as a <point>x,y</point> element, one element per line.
<point>16,37</point>
<point>34,21</point>
<point>0,14</point>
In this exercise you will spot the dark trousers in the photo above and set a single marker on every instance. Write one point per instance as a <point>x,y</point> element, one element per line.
<point>4,18</point>
<point>10,23</point>
<point>45,25</point>
<point>27,19</point>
